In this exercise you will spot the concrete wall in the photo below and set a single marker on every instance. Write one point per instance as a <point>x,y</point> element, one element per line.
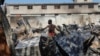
<point>42,21</point>
<point>51,10</point>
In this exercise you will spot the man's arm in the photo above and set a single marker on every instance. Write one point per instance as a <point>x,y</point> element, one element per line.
<point>45,28</point>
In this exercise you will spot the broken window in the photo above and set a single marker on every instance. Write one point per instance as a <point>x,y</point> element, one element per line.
<point>57,6</point>
<point>16,7</point>
<point>80,5</point>
<point>44,7</point>
<point>90,6</point>
<point>30,7</point>
<point>99,7</point>
<point>71,7</point>
<point>42,14</point>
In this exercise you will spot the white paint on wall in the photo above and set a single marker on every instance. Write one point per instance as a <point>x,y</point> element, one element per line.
<point>42,21</point>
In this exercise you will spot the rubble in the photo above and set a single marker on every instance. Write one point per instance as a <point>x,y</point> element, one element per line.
<point>72,40</point>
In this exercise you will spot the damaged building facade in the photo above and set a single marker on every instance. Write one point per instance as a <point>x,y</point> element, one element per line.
<point>79,12</point>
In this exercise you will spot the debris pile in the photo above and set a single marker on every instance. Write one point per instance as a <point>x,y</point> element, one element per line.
<point>78,41</point>
<point>72,40</point>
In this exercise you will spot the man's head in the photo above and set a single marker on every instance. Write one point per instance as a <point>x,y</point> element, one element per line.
<point>49,21</point>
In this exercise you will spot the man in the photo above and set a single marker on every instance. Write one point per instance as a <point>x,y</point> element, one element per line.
<point>50,41</point>
<point>51,30</point>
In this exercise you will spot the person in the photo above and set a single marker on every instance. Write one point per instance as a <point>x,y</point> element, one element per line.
<point>51,30</point>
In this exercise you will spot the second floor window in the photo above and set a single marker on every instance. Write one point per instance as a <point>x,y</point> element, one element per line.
<point>90,6</point>
<point>99,7</point>
<point>44,7</point>
<point>29,7</point>
<point>80,5</point>
<point>57,6</point>
<point>16,7</point>
<point>71,7</point>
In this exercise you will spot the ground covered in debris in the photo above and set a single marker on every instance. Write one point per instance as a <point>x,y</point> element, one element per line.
<point>70,41</point>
